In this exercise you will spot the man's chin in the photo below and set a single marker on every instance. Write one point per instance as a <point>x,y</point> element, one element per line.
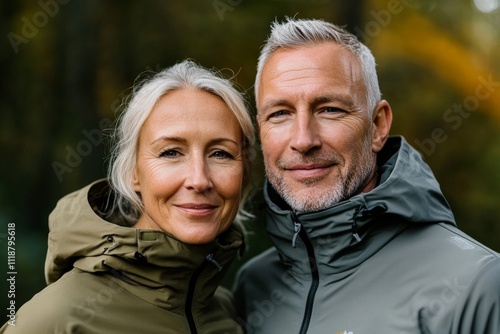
<point>311,199</point>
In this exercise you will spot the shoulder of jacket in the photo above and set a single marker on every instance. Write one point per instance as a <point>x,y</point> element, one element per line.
<point>47,312</point>
<point>464,241</point>
<point>71,301</point>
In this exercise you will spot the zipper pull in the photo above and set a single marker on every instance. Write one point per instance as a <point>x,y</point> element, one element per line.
<point>297,227</point>
<point>210,258</point>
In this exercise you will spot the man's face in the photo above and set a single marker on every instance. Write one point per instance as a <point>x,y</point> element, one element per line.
<point>315,127</point>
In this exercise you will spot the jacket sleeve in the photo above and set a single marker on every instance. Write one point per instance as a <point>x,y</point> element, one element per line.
<point>49,313</point>
<point>225,299</point>
<point>36,318</point>
<point>479,309</point>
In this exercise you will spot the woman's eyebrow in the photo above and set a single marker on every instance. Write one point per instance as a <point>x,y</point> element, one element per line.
<point>167,138</point>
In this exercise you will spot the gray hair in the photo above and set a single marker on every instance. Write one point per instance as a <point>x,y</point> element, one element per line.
<point>295,33</point>
<point>142,101</point>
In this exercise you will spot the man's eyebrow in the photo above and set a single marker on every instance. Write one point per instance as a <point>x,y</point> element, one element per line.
<point>346,101</point>
<point>273,103</point>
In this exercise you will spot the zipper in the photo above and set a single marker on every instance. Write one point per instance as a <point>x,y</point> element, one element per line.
<point>191,287</point>
<point>314,272</point>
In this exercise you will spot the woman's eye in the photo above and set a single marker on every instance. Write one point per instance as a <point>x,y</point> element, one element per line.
<point>221,154</point>
<point>169,153</point>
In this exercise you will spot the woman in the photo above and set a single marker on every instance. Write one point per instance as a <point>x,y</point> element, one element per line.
<point>146,252</point>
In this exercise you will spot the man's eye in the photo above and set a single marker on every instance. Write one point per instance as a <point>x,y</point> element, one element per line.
<point>278,113</point>
<point>333,110</point>
<point>170,153</point>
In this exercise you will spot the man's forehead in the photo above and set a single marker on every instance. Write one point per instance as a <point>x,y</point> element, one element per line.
<point>325,71</point>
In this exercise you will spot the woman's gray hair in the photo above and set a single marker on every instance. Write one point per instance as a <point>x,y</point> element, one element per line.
<point>295,33</point>
<point>142,101</point>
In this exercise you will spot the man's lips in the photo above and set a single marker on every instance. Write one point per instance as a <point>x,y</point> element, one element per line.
<point>309,170</point>
<point>308,166</point>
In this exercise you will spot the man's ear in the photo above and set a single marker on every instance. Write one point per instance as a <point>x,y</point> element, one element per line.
<point>382,120</point>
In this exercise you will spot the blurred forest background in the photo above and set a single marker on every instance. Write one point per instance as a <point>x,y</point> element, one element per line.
<point>66,65</point>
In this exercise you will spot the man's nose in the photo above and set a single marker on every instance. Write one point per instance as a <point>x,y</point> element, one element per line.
<point>305,134</point>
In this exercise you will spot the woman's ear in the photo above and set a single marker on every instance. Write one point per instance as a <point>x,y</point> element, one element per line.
<point>135,182</point>
<point>382,120</point>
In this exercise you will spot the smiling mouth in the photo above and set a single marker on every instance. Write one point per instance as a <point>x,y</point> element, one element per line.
<point>197,209</point>
<point>309,167</point>
<point>309,171</point>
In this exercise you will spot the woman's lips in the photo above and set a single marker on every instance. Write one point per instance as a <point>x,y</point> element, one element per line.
<point>197,209</point>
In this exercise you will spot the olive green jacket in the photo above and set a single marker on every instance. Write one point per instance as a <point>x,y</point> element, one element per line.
<point>107,278</point>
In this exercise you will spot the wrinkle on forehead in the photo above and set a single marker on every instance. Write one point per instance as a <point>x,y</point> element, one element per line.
<point>305,72</point>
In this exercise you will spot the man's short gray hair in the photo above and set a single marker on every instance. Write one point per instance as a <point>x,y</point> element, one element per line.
<point>295,33</point>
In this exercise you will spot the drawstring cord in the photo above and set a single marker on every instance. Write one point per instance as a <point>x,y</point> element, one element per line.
<point>362,212</point>
<point>355,232</point>
<point>365,213</point>
<point>210,258</point>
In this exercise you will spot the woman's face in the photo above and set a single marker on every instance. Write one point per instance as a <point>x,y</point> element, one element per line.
<point>189,166</point>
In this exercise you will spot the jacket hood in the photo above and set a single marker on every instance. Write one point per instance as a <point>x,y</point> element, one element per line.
<point>79,237</point>
<point>407,192</point>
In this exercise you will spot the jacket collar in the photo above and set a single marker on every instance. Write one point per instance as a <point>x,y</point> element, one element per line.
<point>158,268</point>
<point>153,265</point>
<point>343,235</point>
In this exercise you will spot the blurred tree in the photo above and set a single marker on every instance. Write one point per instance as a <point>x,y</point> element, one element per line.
<point>67,66</point>
<point>446,101</point>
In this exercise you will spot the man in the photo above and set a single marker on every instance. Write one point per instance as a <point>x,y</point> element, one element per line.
<point>365,242</point>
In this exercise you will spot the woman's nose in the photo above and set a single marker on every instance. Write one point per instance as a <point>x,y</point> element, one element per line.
<point>198,175</point>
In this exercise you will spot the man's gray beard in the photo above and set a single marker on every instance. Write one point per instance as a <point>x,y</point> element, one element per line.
<point>347,186</point>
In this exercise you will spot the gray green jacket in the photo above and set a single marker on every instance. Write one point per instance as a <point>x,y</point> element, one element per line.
<point>388,261</point>
<point>107,278</point>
